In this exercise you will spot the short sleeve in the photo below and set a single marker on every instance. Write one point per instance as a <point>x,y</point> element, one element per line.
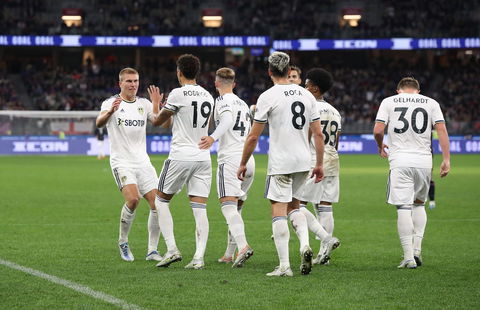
<point>382,114</point>
<point>106,105</point>
<point>149,109</point>
<point>173,101</point>
<point>262,110</point>
<point>314,113</point>
<point>437,115</point>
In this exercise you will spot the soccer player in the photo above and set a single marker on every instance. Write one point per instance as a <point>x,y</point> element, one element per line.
<point>410,117</point>
<point>233,123</point>
<point>295,75</point>
<point>100,134</point>
<point>290,113</point>
<point>125,116</point>
<point>325,193</point>
<point>190,107</point>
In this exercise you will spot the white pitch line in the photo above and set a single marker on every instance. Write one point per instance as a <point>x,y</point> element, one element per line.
<point>74,286</point>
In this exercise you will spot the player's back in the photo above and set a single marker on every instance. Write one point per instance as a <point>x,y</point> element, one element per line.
<point>410,118</point>
<point>192,105</point>
<point>231,143</point>
<point>289,109</point>
<point>331,123</point>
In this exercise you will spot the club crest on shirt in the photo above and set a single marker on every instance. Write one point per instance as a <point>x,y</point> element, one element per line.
<point>140,110</point>
<point>124,178</point>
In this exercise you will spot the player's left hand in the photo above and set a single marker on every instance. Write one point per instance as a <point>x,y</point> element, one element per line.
<point>444,168</point>
<point>317,172</point>
<point>205,143</point>
<point>242,170</point>
<point>155,95</point>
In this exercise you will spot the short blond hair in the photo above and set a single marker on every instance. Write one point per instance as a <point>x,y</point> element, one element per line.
<point>127,70</point>
<point>225,75</point>
<point>408,82</point>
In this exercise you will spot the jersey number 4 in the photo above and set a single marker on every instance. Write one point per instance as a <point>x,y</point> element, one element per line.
<point>406,124</point>
<point>239,124</point>
<point>205,109</point>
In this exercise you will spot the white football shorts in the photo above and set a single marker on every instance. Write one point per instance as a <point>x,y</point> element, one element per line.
<point>229,185</point>
<point>327,190</point>
<point>145,178</point>
<point>405,185</point>
<point>284,187</point>
<point>176,173</point>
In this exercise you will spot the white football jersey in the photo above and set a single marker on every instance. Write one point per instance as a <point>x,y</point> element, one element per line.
<point>410,119</point>
<point>289,110</point>
<point>331,123</point>
<point>230,144</point>
<point>127,132</point>
<point>192,106</point>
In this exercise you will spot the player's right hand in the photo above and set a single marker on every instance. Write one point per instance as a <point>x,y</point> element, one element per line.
<point>242,170</point>
<point>382,151</point>
<point>444,168</point>
<point>115,105</point>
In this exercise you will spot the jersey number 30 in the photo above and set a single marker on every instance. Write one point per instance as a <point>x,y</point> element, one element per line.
<point>406,125</point>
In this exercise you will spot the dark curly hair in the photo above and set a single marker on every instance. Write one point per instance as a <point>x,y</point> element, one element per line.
<point>189,65</point>
<point>320,78</point>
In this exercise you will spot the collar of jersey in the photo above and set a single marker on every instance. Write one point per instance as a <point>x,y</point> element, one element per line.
<point>127,101</point>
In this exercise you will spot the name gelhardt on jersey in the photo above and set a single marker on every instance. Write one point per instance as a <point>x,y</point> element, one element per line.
<point>410,118</point>
<point>192,106</point>
<point>230,144</point>
<point>127,132</point>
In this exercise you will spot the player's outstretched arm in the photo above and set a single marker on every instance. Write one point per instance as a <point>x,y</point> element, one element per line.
<point>103,117</point>
<point>225,123</point>
<point>155,97</point>
<point>445,145</point>
<point>378,133</point>
<point>249,147</point>
<point>318,140</point>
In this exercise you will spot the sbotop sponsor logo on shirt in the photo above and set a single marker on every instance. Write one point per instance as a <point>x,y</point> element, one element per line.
<point>130,122</point>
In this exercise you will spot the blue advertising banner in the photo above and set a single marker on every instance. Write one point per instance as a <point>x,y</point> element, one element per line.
<point>153,41</point>
<point>88,145</point>
<point>241,41</point>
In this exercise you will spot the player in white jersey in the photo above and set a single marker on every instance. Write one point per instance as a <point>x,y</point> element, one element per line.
<point>323,194</point>
<point>233,123</point>
<point>410,117</point>
<point>190,107</point>
<point>126,116</point>
<point>289,111</point>
<point>295,75</point>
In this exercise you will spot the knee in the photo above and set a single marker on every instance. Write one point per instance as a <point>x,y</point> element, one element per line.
<point>133,202</point>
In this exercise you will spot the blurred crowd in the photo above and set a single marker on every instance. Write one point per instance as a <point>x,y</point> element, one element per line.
<point>357,91</point>
<point>281,19</point>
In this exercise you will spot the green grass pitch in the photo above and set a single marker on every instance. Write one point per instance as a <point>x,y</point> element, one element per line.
<point>60,215</point>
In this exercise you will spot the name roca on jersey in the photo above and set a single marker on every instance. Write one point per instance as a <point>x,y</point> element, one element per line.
<point>130,122</point>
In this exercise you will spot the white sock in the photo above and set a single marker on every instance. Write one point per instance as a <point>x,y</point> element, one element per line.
<point>281,237</point>
<point>419,217</point>
<point>201,223</point>
<point>231,246</point>
<point>153,231</point>
<point>126,219</point>
<point>405,230</point>
<point>325,217</point>
<point>313,224</point>
<point>235,223</point>
<point>165,222</point>
<point>299,223</point>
